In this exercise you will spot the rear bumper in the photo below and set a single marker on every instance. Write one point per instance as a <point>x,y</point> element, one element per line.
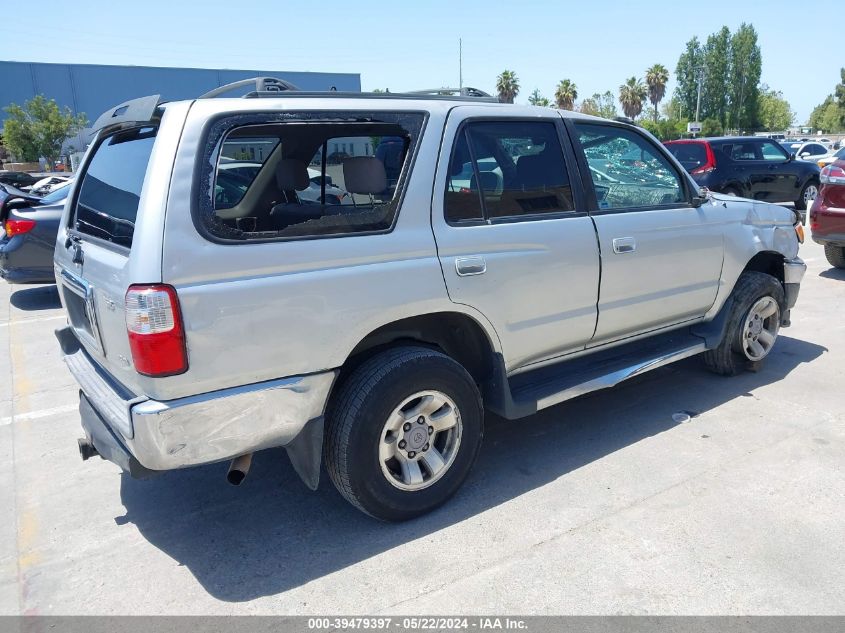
<point>835,239</point>
<point>200,429</point>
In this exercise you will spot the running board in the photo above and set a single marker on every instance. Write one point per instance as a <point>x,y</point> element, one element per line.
<point>545,387</point>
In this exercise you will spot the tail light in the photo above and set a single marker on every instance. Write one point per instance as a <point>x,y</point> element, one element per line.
<point>710,163</point>
<point>18,227</point>
<point>156,334</point>
<point>832,175</point>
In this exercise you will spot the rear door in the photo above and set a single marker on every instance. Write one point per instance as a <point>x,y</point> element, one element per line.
<point>115,211</point>
<point>513,236</point>
<point>661,256</point>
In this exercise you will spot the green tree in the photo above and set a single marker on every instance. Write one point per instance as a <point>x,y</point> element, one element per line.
<point>716,77</point>
<point>656,78</point>
<point>537,99</point>
<point>827,116</point>
<point>712,127</point>
<point>600,104</point>
<point>39,128</point>
<point>840,90</point>
<point>565,94</point>
<point>690,64</point>
<point>632,94</point>
<point>746,64</point>
<point>507,85</point>
<point>774,112</point>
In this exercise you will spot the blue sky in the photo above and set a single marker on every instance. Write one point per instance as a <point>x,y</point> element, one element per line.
<point>414,45</point>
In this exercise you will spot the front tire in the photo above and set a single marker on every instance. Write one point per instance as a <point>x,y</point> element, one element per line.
<point>753,325</point>
<point>403,432</point>
<point>835,255</point>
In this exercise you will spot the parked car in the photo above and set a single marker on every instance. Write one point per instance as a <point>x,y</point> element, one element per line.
<point>374,336</point>
<point>18,179</point>
<point>810,151</point>
<point>30,224</point>
<point>824,161</point>
<point>48,184</point>
<point>827,215</point>
<point>750,167</point>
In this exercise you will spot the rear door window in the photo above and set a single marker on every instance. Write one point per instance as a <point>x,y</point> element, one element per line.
<point>107,204</point>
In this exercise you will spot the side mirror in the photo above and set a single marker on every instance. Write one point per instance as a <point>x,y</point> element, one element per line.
<point>792,156</point>
<point>700,198</point>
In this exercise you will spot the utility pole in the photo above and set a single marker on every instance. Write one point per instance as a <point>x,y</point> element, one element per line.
<point>460,65</point>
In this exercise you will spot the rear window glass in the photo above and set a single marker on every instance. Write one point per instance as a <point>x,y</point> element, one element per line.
<point>690,155</point>
<point>307,175</point>
<point>107,204</point>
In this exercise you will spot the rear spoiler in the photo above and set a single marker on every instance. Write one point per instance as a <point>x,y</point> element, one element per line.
<point>143,109</point>
<point>138,110</point>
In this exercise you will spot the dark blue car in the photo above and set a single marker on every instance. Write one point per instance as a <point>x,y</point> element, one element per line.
<point>30,224</point>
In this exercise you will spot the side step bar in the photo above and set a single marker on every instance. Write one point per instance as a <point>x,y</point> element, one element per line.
<point>545,387</point>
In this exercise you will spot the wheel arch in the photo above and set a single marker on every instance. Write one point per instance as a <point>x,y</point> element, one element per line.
<point>769,262</point>
<point>456,334</point>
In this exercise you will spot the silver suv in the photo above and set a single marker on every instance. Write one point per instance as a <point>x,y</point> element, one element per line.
<point>490,257</point>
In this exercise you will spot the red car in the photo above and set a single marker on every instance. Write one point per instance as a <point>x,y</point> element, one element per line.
<point>827,215</point>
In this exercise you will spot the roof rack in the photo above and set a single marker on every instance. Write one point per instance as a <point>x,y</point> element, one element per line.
<point>263,86</point>
<point>274,87</point>
<point>466,91</point>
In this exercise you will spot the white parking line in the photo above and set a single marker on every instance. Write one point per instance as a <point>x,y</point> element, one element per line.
<point>35,320</point>
<point>35,415</point>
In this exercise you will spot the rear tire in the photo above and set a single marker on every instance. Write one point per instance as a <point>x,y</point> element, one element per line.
<point>731,191</point>
<point>807,195</point>
<point>378,452</point>
<point>752,328</point>
<point>835,255</point>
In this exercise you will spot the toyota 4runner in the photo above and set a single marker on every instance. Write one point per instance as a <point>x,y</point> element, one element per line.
<point>490,257</point>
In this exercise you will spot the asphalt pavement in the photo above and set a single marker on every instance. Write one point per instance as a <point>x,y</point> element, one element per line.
<point>612,503</point>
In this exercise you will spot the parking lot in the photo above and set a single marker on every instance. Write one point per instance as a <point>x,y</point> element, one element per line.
<point>611,503</point>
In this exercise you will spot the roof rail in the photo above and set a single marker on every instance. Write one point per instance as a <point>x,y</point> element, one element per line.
<point>466,91</point>
<point>263,86</point>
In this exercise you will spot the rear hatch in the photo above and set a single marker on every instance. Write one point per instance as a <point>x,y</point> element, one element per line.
<point>110,235</point>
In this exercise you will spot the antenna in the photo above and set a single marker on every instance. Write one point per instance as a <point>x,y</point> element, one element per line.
<point>460,64</point>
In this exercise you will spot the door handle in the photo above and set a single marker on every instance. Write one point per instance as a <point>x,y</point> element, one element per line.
<point>624,245</point>
<point>474,265</point>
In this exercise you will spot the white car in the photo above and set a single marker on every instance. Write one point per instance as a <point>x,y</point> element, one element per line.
<point>810,150</point>
<point>824,161</point>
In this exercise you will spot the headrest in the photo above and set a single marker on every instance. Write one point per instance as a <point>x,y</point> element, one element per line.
<point>291,174</point>
<point>364,174</point>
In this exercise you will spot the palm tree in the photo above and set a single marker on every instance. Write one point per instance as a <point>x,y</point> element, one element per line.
<point>566,94</point>
<point>656,78</point>
<point>631,95</point>
<point>507,85</point>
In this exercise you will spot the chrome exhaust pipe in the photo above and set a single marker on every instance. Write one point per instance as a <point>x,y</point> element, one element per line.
<point>238,469</point>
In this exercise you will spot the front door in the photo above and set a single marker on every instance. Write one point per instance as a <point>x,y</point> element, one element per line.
<point>513,236</point>
<point>661,256</point>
